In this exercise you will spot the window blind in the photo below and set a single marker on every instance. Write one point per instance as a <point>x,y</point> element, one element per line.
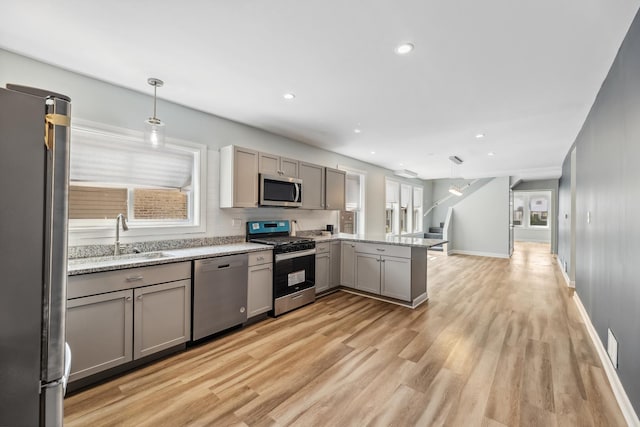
<point>405,195</point>
<point>106,158</point>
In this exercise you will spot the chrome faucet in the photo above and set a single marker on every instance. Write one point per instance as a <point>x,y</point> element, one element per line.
<point>125,227</point>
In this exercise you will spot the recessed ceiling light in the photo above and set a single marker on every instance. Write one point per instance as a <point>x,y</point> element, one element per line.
<point>491,153</point>
<point>401,164</point>
<point>480,135</point>
<point>357,131</point>
<point>404,48</point>
<point>373,152</point>
<point>289,96</point>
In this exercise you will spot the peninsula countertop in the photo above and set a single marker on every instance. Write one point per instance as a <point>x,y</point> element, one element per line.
<point>417,242</point>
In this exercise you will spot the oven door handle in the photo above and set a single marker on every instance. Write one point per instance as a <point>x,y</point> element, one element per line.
<point>289,255</point>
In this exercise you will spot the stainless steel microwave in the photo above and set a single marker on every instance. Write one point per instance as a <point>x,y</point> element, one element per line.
<point>280,191</point>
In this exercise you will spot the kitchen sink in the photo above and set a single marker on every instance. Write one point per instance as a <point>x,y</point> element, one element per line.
<point>118,259</point>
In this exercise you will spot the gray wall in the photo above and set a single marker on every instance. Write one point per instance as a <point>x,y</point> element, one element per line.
<point>481,221</point>
<point>546,184</point>
<point>441,191</point>
<point>565,216</point>
<point>607,188</point>
<point>104,103</point>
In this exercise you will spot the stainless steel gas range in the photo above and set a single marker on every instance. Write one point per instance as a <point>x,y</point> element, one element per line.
<point>294,262</point>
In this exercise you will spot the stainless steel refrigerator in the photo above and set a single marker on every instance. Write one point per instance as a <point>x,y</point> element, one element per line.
<point>34,158</point>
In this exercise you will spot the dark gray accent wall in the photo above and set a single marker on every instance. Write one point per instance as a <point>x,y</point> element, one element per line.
<point>608,194</point>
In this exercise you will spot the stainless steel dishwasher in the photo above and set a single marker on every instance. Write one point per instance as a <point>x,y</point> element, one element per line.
<point>219,294</point>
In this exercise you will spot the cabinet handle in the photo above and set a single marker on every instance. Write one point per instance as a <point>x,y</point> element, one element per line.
<point>134,278</point>
<point>139,297</point>
<point>382,260</point>
<point>380,250</point>
<point>127,299</point>
<point>260,258</point>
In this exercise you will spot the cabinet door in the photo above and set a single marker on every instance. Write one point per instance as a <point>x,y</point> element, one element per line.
<point>348,265</point>
<point>334,280</point>
<point>289,167</point>
<point>161,317</point>
<point>245,178</point>
<point>323,266</point>
<point>335,189</point>
<point>99,332</point>
<point>396,277</point>
<point>260,289</point>
<point>368,272</point>
<point>269,164</point>
<point>312,186</point>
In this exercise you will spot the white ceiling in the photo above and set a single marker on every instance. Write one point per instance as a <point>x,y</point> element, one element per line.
<point>524,73</point>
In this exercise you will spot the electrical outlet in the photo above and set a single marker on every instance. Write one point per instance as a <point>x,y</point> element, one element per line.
<point>236,223</point>
<point>612,348</point>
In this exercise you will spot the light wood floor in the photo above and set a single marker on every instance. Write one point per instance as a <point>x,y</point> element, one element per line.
<point>499,343</point>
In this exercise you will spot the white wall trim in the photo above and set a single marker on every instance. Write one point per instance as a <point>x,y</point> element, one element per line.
<point>478,253</point>
<point>564,274</point>
<point>618,390</point>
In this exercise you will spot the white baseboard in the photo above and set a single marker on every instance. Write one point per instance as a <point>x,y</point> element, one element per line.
<point>618,390</point>
<point>478,253</point>
<point>568,281</point>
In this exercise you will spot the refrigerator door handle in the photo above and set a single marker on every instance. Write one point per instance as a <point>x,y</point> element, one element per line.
<point>67,367</point>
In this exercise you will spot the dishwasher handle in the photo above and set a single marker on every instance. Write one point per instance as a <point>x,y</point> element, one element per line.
<point>218,264</point>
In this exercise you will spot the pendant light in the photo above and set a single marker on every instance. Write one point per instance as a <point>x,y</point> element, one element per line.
<point>153,126</point>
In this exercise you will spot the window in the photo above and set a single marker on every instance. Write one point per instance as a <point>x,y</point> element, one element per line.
<point>392,210</point>
<point>539,211</point>
<point>405,208</point>
<point>417,209</point>
<point>518,210</point>
<point>531,209</point>
<point>403,212</point>
<point>354,203</point>
<point>116,172</point>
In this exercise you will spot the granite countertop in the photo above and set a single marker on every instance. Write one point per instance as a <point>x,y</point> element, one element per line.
<point>144,259</point>
<point>417,242</point>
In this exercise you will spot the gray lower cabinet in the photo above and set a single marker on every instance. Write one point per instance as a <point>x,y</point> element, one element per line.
<point>161,318</point>
<point>260,283</point>
<point>334,280</point>
<point>396,277</point>
<point>115,317</point>
<point>368,272</point>
<point>100,332</point>
<point>323,271</point>
<point>347,265</point>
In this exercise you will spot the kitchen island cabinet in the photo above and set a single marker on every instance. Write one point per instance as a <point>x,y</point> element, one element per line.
<point>348,265</point>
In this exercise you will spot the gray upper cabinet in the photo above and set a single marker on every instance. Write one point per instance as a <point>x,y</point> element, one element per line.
<point>238,177</point>
<point>275,165</point>
<point>312,185</point>
<point>335,189</point>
